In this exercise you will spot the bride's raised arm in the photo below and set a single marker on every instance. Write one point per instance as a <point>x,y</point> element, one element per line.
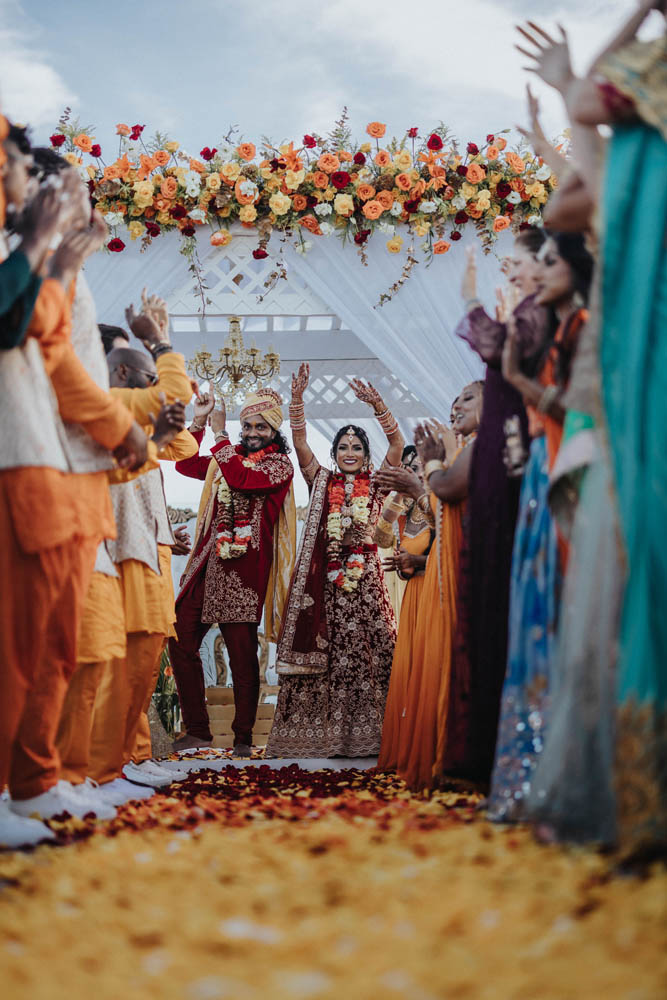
<point>297,418</point>
<point>367,393</point>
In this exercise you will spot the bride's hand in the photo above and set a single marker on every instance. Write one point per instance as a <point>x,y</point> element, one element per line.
<point>300,381</point>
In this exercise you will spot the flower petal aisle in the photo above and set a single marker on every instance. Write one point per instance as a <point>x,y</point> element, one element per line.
<point>270,883</point>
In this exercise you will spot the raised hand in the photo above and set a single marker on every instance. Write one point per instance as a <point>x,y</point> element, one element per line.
<point>155,307</point>
<point>169,422</point>
<point>428,446</point>
<point>218,419</point>
<point>145,328</point>
<point>367,393</point>
<point>204,404</point>
<point>402,480</point>
<point>38,224</point>
<point>552,58</point>
<point>469,283</point>
<point>75,246</point>
<point>300,381</point>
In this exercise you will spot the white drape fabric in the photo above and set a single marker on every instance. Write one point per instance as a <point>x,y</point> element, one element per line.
<point>413,333</point>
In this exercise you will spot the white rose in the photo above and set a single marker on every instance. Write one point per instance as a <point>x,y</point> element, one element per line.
<point>326,229</point>
<point>544,173</point>
<point>396,208</point>
<point>427,207</point>
<point>365,174</point>
<point>304,247</point>
<point>459,202</point>
<point>113,219</point>
<point>386,227</point>
<point>323,209</point>
<point>198,214</point>
<point>248,188</point>
<point>514,198</point>
<point>535,220</point>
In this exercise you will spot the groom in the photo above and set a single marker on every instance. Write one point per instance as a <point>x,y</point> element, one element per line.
<point>241,560</point>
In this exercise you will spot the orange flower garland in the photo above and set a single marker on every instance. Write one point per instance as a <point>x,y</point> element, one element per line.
<point>349,507</point>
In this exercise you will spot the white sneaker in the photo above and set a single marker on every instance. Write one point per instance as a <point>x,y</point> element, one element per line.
<point>87,793</point>
<point>17,831</point>
<point>143,775</point>
<point>57,800</point>
<point>119,791</point>
<point>155,767</point>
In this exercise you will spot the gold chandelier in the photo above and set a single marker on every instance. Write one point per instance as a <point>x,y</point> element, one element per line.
<point>238,370</point>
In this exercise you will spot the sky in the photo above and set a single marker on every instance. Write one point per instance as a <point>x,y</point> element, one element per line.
<point>281,68</point>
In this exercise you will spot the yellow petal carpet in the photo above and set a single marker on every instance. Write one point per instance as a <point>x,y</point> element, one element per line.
<point>264,883</point>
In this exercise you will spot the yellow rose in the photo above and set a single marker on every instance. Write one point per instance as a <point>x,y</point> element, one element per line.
<point>73,159</point>
<point>343,204</point>
<point>422,228</point>
<point>365,147</point>
<point>279,203</point>
<point>225,212</point>
<point>230,170</point>
<point>293,178</point>
<point>468,191</point>
<point>91,171</point>
<point>213,182</point>
<point>394,245</point>
<point>143,189</point>
<point>267,173</point>
<point>135,229</point>
<point>164,219</point>
<point>138,210</point>
<point>329,194</point>
<point>274,183</point>
<point>172,146</point>
<point>403,160</point>
<point>248,213</point>
<point>495,177</point>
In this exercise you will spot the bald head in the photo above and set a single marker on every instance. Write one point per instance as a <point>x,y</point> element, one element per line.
<point>130,369</point>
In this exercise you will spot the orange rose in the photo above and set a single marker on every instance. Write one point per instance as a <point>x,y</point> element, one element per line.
<point>418,189</point>
<point>448,193</point>
<point>500,222</point>
<point>328,162</point>
<point>382,158</point>
<point>243,199</point>
<point>310,223</point>
<point>492,153</point>
<point>299,201</point>
<point>501,144</point>
<point>169,187</point>
<point>161,158</point>
<point>123,129</point>
<point>517,184</point>
<point>162,204</point>
<point>84,142</point>
<point>376,129</point>
<point>474,211</point>
<point>320,179</point>
<point>442,246</point>
<point>515,162</point>
<point>385,198</point>
<point>111,173</point>
<point>246,150</point>
<point>197,165</point>
<point>404,182</point>
<point>475,173</point>
<point>344,156</point>
<point>373,209</point>
<point>221,239</point>
<point>365,192</point>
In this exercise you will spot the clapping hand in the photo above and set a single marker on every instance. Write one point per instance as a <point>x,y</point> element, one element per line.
<point>404,481</point>
<point>155,307</point>
<point>367,393</point>
<point>169,422</point>
<point>183,544</point>
<point>429,447</point>
<point>150,326</point>
<point>75,246</point>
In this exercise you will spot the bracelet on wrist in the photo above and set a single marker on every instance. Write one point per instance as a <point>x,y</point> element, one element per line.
<point>434,465</point>
<point>157,349</point>
<point>194,426</point>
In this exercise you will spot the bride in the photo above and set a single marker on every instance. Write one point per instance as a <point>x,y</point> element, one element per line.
<point>338,633</point>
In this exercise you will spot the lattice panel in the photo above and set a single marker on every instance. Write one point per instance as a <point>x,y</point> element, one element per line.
<point>236,281</point>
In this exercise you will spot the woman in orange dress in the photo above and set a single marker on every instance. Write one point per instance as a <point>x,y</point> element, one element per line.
<point>428,681</point>
<point>417,530</point>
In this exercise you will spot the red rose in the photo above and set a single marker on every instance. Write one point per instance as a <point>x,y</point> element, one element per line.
<point>57,139</point>
<point>136,132</point>
<point>412,132</point>
<point>524,226</point>
<point>361,237</point>
<point>91,187</point>
<point>153,229</point>
<point>490,137</point>
<point>503,189</point>
<point>455,235</point>
<point>434,142</point>
<point>312,200</point>
<point>188,230</point>
<point>309,141</point>
<point>461,217</point>
<point>359,159</point>
<point>412,206</point>
<point>463,171</point>
<point>96,150</point>
<point>276,164</point>
<point>260,253</point>
<point>178,212</point>
<point>472,149</point>
<point>207,154</point>
<point>115,245</point>
<point>340,179</point>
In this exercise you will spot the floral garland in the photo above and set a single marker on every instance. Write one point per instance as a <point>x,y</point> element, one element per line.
<point>324,186</point>
<point>349,507</point>
<point>234,527</point>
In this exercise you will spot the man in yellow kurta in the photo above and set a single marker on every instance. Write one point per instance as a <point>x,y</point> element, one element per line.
<point>142,555</point>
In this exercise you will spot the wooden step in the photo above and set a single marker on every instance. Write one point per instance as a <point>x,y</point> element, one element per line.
<point>225,695</point>
<point>260,729</point>
<point>219,712</point>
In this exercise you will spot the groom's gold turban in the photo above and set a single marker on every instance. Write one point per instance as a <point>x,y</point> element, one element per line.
<point>267,403</point>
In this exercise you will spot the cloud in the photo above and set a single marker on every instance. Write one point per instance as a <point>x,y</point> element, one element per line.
<point>30,88</point>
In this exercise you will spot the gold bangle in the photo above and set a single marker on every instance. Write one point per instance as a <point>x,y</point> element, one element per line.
<point>434,465</point>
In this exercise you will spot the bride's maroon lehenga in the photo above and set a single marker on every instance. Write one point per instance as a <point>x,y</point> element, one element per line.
<point>339,645</point>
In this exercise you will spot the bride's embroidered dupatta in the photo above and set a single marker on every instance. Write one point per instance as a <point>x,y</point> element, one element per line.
<point>303,647</point>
